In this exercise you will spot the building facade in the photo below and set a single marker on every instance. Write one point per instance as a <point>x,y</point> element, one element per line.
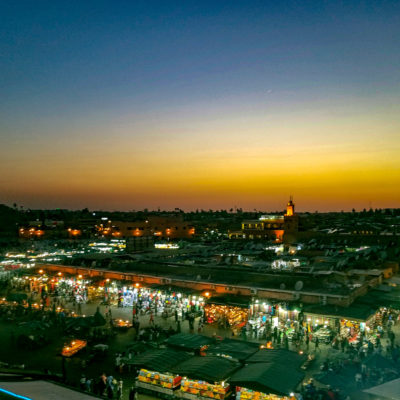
<point>157,227</point>
<point>278,228</point>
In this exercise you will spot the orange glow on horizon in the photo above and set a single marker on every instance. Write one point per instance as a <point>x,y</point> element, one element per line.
<point>326,162</point>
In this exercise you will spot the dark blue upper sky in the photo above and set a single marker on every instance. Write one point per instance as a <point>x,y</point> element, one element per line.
<point>89,69</point>
<point>69,56</point>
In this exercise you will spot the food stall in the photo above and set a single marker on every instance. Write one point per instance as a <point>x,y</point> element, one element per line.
<point>162,300</point>
<point>155,377</point>
<point>277,314</point>
<point>122,324</point>
<point>278,357</point>
<point>73,347</point>
<point>228,311</point>
<point>195,344</point>
<point>205,377</point>
<point>349,322</point>
<point>266,381</point>
<point>324,334</point>
<point>243,393</point>
<point>166,299</point>
<point>158,382</point>
<point>198,388</point>
<point>233,349</point>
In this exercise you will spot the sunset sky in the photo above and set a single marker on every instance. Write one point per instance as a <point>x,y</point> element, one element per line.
<point>198,104</point>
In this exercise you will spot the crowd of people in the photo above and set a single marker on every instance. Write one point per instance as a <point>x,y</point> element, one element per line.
<point>53,306</point>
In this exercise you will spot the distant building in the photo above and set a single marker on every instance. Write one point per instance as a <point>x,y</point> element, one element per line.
<point>31,232</point>
<point>139,243</point>
<point>74,232</point>
<point>270,227</point>
<point>154,226</point>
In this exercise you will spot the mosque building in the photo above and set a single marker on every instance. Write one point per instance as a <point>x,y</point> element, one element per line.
<point>279,228</point>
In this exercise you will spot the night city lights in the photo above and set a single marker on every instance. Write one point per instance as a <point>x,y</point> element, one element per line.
<point>200,200</point>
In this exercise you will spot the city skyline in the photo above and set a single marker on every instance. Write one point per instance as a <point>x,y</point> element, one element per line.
<point>200,105</point>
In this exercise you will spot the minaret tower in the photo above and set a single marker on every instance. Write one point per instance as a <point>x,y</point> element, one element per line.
<point>291,223</point>
<point>290,208</point>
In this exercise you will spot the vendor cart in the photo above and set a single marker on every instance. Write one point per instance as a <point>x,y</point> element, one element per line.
<point>164,385</point>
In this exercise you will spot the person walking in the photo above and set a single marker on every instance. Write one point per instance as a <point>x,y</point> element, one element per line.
<point>88,385</point>
<point>82,382</point>
<point>132,393</point>
<point>119,389</point>
<point>176,315</point>
<point>391,338</point>
<point>316,343</point>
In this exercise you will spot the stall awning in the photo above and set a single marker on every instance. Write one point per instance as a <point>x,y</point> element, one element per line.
<point>237,349</point>
<point>159,360</point>
<point>277,357</point>
<point>388,391</point>
<point>189,342</point>
<point>210,369</point>
<point>42,390</point>
<point>355,312</point>
<point>268,378</point>
<point>174,288</point>
<point>236,301</point>
<point>389,299</point>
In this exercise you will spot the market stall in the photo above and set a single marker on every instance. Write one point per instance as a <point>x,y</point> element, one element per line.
<point>168,299</point>
<point>276,314</point>
<point>122,324</point>
<point>266,381</point>
<point>196,344</point>
<point>155,374</point>
<point>206,377</point>
<point>278,357</point>
<point>161,300</point>
<point>358,324</point>
<point>155,381</point>
<point>194,389</point>
<point>238,350</point>
<point>350,323</point>
<point>228,311</point>
<point>73,347</point>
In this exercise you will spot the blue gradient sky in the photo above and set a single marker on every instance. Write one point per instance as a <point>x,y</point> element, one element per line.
<point>133,104</point>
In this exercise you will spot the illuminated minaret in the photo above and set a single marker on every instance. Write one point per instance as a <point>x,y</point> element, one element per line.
<point>290,208</point>
<point>291,223</point>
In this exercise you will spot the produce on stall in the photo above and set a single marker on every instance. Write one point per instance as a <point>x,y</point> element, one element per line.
<point>164,380</point>
<point>205,389</point>
<point>323,334</point>
<point>205,377</point>
<point>248,394</point>
<point>155,370</point>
